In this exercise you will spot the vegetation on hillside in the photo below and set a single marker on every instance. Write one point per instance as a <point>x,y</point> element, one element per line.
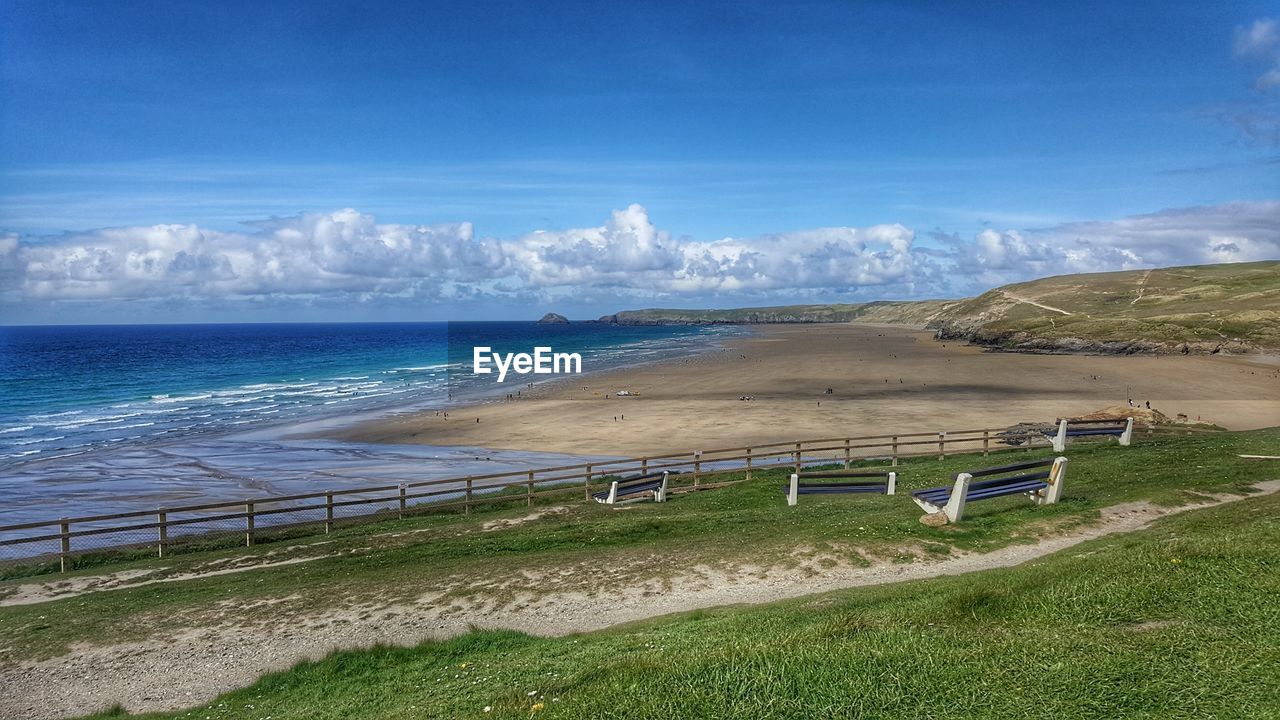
<point>1195,309</point>
<point>904,312</point>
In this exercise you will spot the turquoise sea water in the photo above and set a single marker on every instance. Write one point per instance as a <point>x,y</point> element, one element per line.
<point>110,418</point>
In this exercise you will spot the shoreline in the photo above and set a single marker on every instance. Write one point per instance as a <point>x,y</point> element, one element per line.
<point>883,378</point>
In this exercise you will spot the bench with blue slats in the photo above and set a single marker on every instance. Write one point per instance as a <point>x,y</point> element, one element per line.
<point>1041,480</point>
<point>635,488</point>
<point>1120,428</point>
<point>883,483</point>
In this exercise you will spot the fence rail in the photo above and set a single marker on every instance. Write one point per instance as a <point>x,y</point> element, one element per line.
<point>328,507</point>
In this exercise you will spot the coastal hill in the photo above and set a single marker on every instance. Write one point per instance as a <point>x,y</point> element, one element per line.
<point>1194,309</point>
<point>904,312</point>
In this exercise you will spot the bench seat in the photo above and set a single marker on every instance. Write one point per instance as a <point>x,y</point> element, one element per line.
<point>939,496</point>
<point>1042,486</point>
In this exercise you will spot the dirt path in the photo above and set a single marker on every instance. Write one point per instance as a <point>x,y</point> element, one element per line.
<point>197,664</point>
<point>1051,308</point>
<point>1142,287</point>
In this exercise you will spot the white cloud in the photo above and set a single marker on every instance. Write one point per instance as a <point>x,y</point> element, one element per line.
<point>629,253</point>
<point>347,256</point>
<point>1258,47</point>
<point>319,253</point>
<point>1261,39</point>
<point>1231,232</point>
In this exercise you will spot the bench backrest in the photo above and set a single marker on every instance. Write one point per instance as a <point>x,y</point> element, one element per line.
<point>861,481</point>
<point>655,482</point>
<point>1039,479</point>
<point>1120,427</point>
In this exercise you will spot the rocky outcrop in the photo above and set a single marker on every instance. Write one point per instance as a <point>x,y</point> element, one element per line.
<point>553,319</point>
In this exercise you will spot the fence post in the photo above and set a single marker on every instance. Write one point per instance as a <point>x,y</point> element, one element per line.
<point>529,497</point>
<point>986,442</point>
<point>328,511</point>
<point>644,466</point>
<point>697,466</point>
<point>798,461</point>
<point>402,500</point>
<point>942,446</point>
<point>586,484</point>
<point>748,463</point>
<point>846,453</point>
<point>162,519</point>
<point>64,556</point>
<point>895,450</point>
<point>466,502</point>
<point>248,523</point>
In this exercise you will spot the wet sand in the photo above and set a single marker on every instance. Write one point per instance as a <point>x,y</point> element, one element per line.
<point>883,379</point>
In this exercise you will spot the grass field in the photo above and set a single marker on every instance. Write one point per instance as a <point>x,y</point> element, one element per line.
<point>1179,621</point>
<point>1117,629</point>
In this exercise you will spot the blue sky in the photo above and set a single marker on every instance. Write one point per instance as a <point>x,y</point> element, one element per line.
<point>744,124</point>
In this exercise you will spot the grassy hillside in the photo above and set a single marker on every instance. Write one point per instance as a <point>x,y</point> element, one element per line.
<point>1194,309</point>
<point>1203,308</point>
<point>906,312</point>
<point>1172,622</point>
<point>891,651</point>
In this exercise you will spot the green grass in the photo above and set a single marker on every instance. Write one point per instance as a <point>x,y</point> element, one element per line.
<point>745,524</point>
<point>914,312</point>
<point>1236,305</point>
<point>1179,621</point>
<point>1204,305</point>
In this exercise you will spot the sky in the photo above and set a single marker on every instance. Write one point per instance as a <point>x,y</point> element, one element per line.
<point>311,161</point>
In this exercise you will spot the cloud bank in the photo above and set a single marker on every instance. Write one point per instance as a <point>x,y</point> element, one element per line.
<point>346,257</point>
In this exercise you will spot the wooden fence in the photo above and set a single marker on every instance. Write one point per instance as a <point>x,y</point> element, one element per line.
<point>694,469</point>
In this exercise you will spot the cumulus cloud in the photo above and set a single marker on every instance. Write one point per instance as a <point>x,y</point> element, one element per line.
<point>347,256</point>
<point>1231,232</point>
<point>342,252</point>
<point>629,252</point>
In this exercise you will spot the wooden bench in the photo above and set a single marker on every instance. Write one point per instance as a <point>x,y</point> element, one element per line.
<point>884,483</point>
<point>1041,480</point>
<point>634,489</point>
<point>1121,428</point>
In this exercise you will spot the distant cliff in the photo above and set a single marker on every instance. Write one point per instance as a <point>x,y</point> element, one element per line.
<point>903,312</point>
<point>1202,309</point>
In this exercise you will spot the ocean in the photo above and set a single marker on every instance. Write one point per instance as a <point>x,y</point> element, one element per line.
<point>101,419</point>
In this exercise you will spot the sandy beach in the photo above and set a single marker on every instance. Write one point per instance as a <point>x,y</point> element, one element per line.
<point>883,379</point>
